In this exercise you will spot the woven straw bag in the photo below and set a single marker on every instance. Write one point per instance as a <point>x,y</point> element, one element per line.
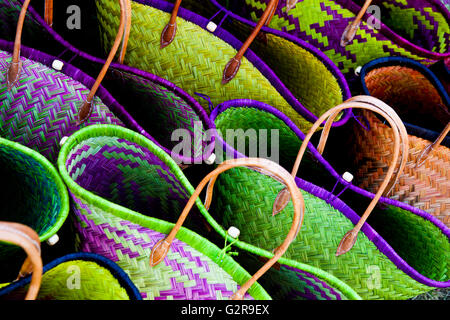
<point>416,29</point>
<point>158,107</point>
<point>33,194</point>
<point>196,63</point>
<point>131,226</point>
<point>402,253</point>
<point>129,204</point>
<point>71,277</point>
<point>415,93</point>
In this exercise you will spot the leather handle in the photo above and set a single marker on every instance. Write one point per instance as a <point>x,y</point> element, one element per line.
<point>350,31</point>
<point>400,145</point>
<point>160,250</point>
<point>27,239</point>
<point>232,67</point>
<point>394,116</point>
<point>15,66</point>
<point>426,152</point>
<point>48,12</point>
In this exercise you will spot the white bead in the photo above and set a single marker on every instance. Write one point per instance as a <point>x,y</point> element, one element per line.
<point>63,140</point>
<point>53,240</point>
<point>233,232</point>
<point>347,176</point>
<point>57,65</point>
<point>211,159</point>
<point>358,70</point>
<point>211,26</point>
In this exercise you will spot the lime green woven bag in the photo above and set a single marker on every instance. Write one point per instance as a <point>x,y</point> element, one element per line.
<point>296,79</point>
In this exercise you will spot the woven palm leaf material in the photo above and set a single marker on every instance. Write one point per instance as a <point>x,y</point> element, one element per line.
<point>158,107</point>
<point>43,106</point>
<point>426,187</point>
<point>32,194</point>
<point>195,63</point>
<point>413,90</point>
<point>406,263</point>
<point>322,23</point>
<point>121,185</point>
<point>277,137</point>
<point>79,276</point>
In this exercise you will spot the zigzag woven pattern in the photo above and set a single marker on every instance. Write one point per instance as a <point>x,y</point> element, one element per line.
<point>76,280</point>
<point>194,63</point>
<point>426,187</point>
<point>127,174</point>
<point>43,106</point>
<point>166,111</point>
<point>29,196</point>
<point>245,198</point>
<point>321,23</point>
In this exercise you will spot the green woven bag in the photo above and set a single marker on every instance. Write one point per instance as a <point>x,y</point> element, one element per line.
<point>400,255</point>
<point>132,203</point>
<point>32,194</point>
<point>298,80</point>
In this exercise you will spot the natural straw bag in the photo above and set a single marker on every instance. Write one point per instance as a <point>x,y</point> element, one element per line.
<point>122,209</point>
<point>33,194</point>
<point>416,29</point>
<point>40,105</point>
<point>388,261</point>
<point>158,107</point>
<point>76,276</point>
<point>196,58</point>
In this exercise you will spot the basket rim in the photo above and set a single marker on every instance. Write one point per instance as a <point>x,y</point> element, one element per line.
<point>56,178</point>
<point>317,191</point>
<point>184,234</point>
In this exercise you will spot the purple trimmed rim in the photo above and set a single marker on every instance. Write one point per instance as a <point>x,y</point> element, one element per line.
<point>108,99</point>
<point>385,30</point>
<point>261,65</point>
<point>337,203</point>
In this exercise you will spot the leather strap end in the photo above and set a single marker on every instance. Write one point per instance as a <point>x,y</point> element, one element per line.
<point>84,113</point>
<point>231,69</point>
<point>168,34</point>
<point>13,74</point>
<point>26,270</point>
<point>348,34</point>
<point>347,242</point>
<point>159,252</point>
<point>281,201</point>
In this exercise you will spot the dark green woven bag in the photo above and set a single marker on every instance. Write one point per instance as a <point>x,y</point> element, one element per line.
<point>399,253</point>
<point>298,79</point>
<point>32,194</point>
<point>132,203</point>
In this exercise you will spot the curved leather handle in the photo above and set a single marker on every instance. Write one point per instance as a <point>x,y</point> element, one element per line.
<point>232,67</point>
<point>394,116</point>
<point>426,152</point>
<point>160,250</point>
<point>350,32</point>
<point>15,66</point>
<point>28,239</point>
<point>400,144</point>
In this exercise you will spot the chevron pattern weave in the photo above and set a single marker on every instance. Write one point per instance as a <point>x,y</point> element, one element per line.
<point>43,106</point>
<point>244,199</point>
<point>321,23</point>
